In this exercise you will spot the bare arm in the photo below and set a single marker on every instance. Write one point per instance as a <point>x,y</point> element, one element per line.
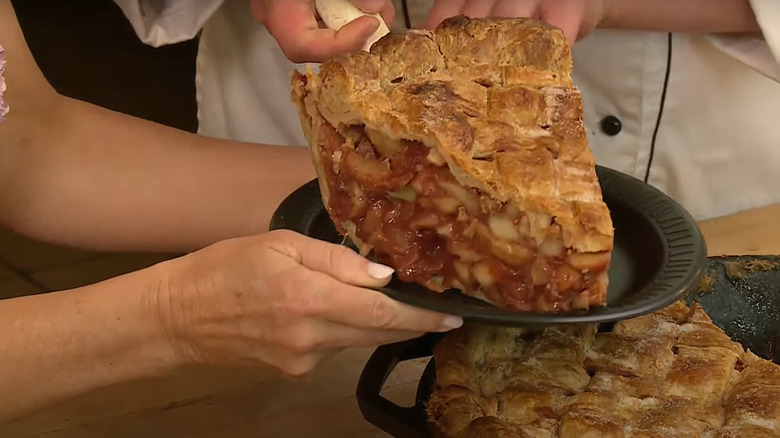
<point>277,299</point>
<point>62,344</point>
<point>706,16</point>
<point>578,18</point>
<point>73,173</point>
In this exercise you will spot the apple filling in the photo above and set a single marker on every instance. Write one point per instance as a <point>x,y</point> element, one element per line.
<point>401,200</point>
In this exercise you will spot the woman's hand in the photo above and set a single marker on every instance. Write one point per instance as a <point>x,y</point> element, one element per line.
<point>282,299</point>
<point>293,24</point>
<point>576,18</point>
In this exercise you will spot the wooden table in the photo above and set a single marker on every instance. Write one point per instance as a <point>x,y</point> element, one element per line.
<point>208,402</point>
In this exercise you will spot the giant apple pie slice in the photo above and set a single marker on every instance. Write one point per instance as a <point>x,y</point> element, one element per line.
<point>669,374</point>
<point>459,158</point>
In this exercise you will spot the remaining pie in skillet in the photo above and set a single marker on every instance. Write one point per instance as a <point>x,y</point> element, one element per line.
<point>459,157</point>
<point>671,373</point>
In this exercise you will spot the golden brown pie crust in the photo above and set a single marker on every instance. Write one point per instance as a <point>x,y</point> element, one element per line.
<point>459,157</point>
<point>672,373</point>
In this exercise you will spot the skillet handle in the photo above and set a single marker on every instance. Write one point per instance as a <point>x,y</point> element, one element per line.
<point>396,420</point>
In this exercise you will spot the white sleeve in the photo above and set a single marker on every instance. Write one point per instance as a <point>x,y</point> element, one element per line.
<point>762,54</point>
<point>161,22</point>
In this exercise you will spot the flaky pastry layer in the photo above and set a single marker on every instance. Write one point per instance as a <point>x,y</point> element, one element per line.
<point>492,102</point>
<point>672,373</point>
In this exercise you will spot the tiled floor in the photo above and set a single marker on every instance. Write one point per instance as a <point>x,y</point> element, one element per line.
<point>29,267</point>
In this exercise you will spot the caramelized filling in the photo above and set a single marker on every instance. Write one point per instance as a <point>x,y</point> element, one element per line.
<point>407,205</point>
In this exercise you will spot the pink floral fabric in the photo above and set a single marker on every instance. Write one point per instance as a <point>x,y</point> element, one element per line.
<point>3,104</point>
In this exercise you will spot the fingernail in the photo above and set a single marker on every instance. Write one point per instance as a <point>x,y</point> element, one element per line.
<point>374,26</point>
<point>379,272</point>
<point>451,322</point>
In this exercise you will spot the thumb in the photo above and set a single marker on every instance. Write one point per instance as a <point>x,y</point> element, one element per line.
<point>337,261</point>
<point>353,35</point>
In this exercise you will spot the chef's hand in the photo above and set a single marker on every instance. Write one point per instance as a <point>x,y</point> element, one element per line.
<point>576,18</point>
<point>294,25</point>
<point>282,299</point>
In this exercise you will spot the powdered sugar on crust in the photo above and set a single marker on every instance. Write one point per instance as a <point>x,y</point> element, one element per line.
<point>3,104</point>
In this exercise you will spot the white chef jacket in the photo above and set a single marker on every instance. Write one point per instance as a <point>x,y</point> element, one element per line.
<point>697,116</point>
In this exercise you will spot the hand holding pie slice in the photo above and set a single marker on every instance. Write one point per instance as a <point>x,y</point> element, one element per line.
<point>459,157</point>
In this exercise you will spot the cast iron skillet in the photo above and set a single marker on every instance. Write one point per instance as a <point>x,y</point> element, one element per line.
<point>745,304</point>
<point>659,253</point>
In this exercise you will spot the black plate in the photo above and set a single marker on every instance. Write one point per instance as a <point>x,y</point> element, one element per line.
<point>659,253</point>
<point>742,300</point>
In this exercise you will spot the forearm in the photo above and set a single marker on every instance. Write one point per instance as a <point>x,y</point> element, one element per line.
<point>72,173</point>
<point>107,181</point>
<point>59,345</point>
<point>703,16</point>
